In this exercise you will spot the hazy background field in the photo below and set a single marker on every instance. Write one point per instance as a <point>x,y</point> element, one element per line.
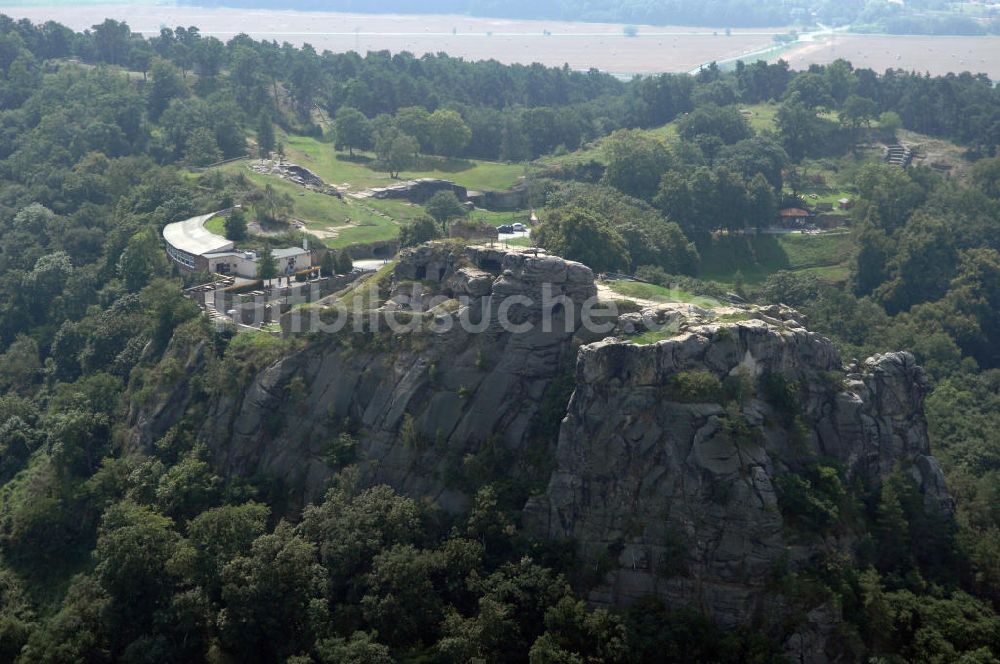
<point>554,43</point>
<point>936,55</point>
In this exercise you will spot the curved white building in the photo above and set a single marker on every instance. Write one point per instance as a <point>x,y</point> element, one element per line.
<point>189,240</point>
<point>196,249</point>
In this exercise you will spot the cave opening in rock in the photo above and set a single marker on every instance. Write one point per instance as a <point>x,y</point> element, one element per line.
<point>490,265</point>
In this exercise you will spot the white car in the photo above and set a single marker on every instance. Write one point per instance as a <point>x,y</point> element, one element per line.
<point>519,228</point>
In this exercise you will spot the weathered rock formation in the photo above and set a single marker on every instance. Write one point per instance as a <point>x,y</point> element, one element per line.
<point>419,190</point>
<point>297,174</point>
<point>420,403</point>
<point>670,457</point>
<point>672,493</point>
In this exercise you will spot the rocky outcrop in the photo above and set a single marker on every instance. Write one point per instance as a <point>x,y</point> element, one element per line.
<point>668,487</point>
<point>296,174</point>
<point>671,455</point>
<point>419,191</point>
<point>427,405</point>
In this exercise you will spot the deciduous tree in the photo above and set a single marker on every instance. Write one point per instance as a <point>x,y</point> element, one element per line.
<point>578,235</point>
<point>352,129</point>
<point>394,151</point>
<point>448,132</point>
<point>443,207</point>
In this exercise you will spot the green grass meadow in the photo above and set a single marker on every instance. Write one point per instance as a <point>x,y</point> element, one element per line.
<point>339,169</point>
<point>729,259</point>
<point>752,258</point>
<point>657,293</point>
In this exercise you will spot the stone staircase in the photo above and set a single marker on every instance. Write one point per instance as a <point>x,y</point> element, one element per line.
<point>898,155</point>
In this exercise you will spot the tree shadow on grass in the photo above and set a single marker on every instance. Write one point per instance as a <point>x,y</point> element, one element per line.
<point>423,163</point>
<point>753,256</point>
<point>444,164</point>
<point>362,159</point>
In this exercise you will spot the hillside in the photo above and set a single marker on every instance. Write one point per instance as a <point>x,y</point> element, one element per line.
<point>704,432</point>
<point>259,449</point>
<point>825,180</point>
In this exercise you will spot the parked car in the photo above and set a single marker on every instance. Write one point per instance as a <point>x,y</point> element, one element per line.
<point>506,228</point>
<point>519,228</point>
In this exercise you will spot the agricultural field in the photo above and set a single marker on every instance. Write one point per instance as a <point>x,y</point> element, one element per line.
<point>582,46</point>
<point>554,43</point>
<point>934,55</point>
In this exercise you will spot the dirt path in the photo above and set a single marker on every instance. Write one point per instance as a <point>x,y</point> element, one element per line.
<point>604,292</point>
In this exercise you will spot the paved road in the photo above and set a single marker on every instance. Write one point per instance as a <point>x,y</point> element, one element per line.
<point>370,264</point>
<point>504,237</point>
<point>772,49</point>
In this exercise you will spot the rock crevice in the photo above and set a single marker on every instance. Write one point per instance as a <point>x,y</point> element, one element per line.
<point>687,483</point>
<point>669,457</point>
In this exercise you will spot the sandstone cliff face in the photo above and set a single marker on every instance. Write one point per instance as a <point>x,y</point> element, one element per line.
<point>669,495</point>
<point>670,455</point>
<point>418,403</point>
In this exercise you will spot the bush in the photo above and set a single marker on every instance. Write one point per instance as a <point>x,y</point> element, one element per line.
<point>328,266</point>
<point>341,450</point>
<point>236,225</point>
<point>811,499</point>
<point>696,386</point>
<point>420,230</point>
<point>781,396</point>
<point>590,171</point>
<point>784,287</point>
<point>737,387</point>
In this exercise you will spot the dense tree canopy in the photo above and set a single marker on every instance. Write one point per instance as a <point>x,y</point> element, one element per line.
<point>579,235</point>
<point>116,551</point>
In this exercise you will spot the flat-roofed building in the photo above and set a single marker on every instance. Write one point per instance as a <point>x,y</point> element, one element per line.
<point>196,249</point>
<point>189,241</point>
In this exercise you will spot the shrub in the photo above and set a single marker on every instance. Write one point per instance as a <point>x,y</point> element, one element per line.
<point>341,450</point>
<point>737,387</point>
<point>777,391</point>
<point>696,386</point>
<point>738,429</point>
<point>811,499</point>
<point>657,275</point>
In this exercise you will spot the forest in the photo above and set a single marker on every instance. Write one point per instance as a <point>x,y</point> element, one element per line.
<point>108,554</point>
